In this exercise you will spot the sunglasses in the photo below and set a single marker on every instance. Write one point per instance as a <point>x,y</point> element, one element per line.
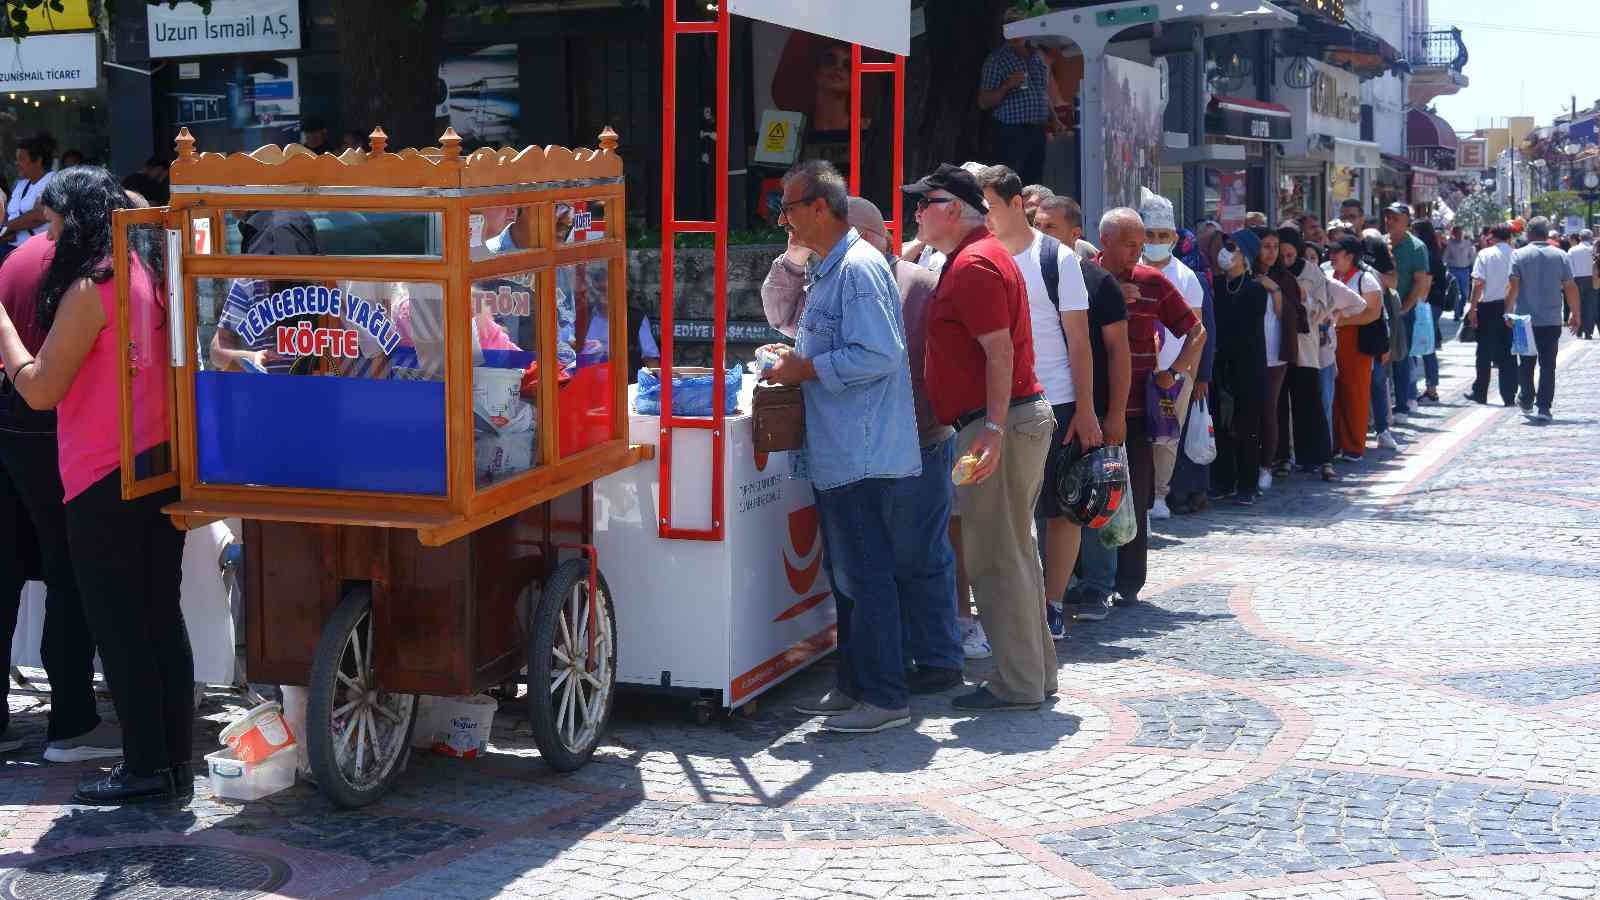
<point>924,201</point>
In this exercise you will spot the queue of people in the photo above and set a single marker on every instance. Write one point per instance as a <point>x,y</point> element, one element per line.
<point>1023,347</point>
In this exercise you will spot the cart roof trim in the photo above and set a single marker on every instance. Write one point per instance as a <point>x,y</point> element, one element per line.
<point>441,170</point>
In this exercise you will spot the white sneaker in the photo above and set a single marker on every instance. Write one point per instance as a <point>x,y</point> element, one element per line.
<point>1159,510</point>
<point>1265,481</point>
<point>975,644</point>
<point>1387,441</point>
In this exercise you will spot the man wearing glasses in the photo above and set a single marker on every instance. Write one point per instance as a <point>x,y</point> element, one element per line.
<point>980,380</point>
<point>850,361</point>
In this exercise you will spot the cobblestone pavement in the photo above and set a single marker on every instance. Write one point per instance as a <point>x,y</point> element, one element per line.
<point>1386,687</point>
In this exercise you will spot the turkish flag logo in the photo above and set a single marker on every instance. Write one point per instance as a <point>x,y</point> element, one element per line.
<point>804,531</point>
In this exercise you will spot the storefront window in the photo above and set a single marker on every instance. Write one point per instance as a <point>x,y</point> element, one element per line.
<point>370,417</point>
<point>505,376</point>
<point>1300,194</point>
<point>1227,192</point>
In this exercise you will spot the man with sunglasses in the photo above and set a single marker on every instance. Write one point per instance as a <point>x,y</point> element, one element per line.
<point>980,380</point>
<point>849,359</point>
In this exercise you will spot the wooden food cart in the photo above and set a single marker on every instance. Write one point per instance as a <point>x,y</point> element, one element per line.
<point>403,371</point>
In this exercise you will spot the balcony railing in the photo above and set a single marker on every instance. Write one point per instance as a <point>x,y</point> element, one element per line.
<point>1438,49</point>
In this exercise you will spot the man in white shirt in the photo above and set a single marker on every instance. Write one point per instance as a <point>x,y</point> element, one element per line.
<point>1491,277</point>
<point>1581,257</point>
<point>1458,257</point>
<point>24,218</point>
<point>1063,361</point>
<point>1160,233</point>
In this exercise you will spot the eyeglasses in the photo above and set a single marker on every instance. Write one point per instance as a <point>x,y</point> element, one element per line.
<point>924,201</point>
<point>786,207</point>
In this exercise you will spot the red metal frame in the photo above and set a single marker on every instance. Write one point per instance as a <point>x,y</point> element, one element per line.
<point>672,226</point>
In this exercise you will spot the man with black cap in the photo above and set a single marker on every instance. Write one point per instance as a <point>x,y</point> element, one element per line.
<point>980,380</point>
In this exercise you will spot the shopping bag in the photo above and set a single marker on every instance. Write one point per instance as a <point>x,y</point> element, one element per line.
<point>1422,335</point>
<point>1161,410</point>
<point>1200,444</point>
<point>1522,336</point>
<point>1124,524</point>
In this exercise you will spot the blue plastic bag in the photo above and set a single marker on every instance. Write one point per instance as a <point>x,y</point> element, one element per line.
<point>691,394</point>
<point>1422,333</point>
<point>1522,335</point>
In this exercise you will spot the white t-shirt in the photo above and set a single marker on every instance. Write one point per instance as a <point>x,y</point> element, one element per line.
<point>24,197</point>
<point>1269,321</point>
<point>1581,258</point>
<point>1493,268</point>
<point>1188,284</point>
<point>1050,363</point>
<point>930,259</point>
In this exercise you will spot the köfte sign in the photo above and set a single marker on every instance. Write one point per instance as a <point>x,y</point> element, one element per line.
<point>234,26</point>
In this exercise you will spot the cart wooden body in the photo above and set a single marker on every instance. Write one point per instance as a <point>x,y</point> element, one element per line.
<point>400,538</point>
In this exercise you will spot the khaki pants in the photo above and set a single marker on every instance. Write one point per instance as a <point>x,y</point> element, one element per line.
<point>1166,454</point>
<point>1002,558</point>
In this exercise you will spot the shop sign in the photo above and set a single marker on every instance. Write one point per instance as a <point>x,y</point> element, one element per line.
<point>1335,99</point>
<point>1424,186</point>
<point>1250,120</point>
<point>67,15</point>
<point>1472,155</point>
<point>234,26</point>
<point>1356,154</point>
<point>697,331</point>
<point>51,62</point>
<point>881,25</point>
<point>302,339</point>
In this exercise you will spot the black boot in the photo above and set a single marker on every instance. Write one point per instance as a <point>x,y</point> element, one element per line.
<point>121,786</point>
<point>183,781</point>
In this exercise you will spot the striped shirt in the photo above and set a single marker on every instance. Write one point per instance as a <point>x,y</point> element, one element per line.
<point>1159,305</point>
<point>1029,104</point>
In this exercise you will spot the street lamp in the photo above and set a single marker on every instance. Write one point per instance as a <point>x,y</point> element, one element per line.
<point>1590,194</point>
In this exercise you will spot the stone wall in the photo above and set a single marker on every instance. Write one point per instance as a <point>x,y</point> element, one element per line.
<point>747,268</point>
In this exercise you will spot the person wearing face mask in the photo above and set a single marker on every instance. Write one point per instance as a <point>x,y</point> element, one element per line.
<point>924,558</point>
<point>1241,363</point>
<point>1313,449</point>
<point>1160,233</point>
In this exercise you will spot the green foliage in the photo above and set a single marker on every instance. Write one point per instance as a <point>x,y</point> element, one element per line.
<point>1557,205</point>
<point>1479,211</point>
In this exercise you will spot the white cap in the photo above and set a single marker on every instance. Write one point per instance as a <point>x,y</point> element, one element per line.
<point>1156,210</point>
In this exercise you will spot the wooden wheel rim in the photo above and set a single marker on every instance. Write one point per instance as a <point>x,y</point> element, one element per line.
<point>580,685</point>
<point>368,724</point>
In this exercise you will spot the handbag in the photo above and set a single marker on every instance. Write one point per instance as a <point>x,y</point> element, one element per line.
<point>1372,338</point>
<point>1422,335</point>
<point>778,417</point>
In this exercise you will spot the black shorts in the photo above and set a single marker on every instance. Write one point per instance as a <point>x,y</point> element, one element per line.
<point>1049,506</point>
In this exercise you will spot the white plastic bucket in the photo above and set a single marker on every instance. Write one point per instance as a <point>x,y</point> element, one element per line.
<point>504,434</point>
<point>455,726</point>
<point>258,734</point>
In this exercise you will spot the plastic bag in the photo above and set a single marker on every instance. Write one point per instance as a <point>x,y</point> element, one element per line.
<point>691,394</point>
<point>1200,443</point>
<point>1422,333</point>
<point>1522,336</point>
<point>1124,524</point>
<point>1161,410</point>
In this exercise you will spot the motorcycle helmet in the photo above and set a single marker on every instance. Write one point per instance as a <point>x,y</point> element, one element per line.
<point>1091,487</point>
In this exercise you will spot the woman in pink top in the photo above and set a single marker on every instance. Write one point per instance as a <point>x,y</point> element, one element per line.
<point>127,554</point>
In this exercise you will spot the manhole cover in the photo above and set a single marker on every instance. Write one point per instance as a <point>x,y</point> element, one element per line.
<point>160,872</point>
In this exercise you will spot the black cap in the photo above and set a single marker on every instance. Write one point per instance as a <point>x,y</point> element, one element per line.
<point>1348,244</point>
<point>951,179</point>
<point>1399,208</point>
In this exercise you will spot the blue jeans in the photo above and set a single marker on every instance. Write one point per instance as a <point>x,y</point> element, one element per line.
<point>1381,404</point>
<point>1097,570</point>
<point>925,563</point>
<point>1463,279</point>
<point>858,522</point>
<point>1328,375</point>
<point>1405,384</point>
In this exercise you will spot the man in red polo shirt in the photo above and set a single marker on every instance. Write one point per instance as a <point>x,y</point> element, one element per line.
<point>979,374</point>
<point>1152,303</point>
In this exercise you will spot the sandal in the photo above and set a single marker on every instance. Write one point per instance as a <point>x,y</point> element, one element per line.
<point>1328,474</point>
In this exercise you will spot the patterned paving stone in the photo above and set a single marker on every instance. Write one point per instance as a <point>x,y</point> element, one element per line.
<point>744,822</point>
<point>1192,627</point>
<point>1304,820</point>
<point>437,783</point>
<point>1214,720</point>
<point>1576,880</point>
<point>1354,889</point>
<point>1112,786</point>
<point>1388,723</point>
<point>1533,687</point>
<point>544,869</point>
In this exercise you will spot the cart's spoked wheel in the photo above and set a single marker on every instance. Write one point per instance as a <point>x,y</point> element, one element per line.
<point>571,678</point>
<point>358,733</point>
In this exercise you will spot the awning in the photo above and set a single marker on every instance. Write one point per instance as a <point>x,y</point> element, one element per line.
<point>1425,129</point>
<point>1356,154</point>
<point>1361,51</point>
<point>1250,120</point>
<point>882,25</point>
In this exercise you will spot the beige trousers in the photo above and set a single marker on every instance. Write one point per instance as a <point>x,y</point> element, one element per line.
<point>1002,558</point>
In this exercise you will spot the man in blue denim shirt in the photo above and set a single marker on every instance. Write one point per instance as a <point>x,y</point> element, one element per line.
<point>861,438</point>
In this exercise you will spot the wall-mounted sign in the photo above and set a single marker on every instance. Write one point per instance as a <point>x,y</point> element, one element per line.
<point>234,26</point>
<point>1357,154</point>
<point>1251,120</point>
<point>1335,93</point>
<point>51,62</point>
<point>779,141</point>
<point>1472,155</point>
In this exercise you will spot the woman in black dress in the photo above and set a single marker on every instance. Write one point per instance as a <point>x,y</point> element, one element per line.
<point>1240,367</point>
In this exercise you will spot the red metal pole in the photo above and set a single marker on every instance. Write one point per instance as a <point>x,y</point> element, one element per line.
<point>719,327</point>
<point>669,218</point>
<point>855,119</point>
<point>898,164</point>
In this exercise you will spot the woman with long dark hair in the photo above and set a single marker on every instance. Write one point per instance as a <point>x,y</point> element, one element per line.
<point>1242,302</point>
<point>127,554</point>
<point>1279,322</point>
<point>1313,450</point>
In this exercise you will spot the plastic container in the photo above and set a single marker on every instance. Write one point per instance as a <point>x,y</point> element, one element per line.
<point>258,734</point>
<point>234,779</point>
<point>458,727</point>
